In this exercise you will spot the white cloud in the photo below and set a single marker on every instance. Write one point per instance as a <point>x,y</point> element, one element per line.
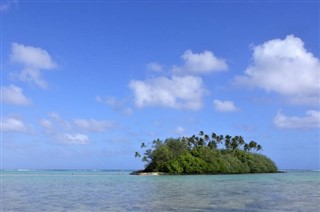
<point>93,125</point>
<point>175,92</point>
<point>75,131</point>
<point>34,61</point>
<point>115,104</point>
<point>286,67</point>
<point>76,139</point>
<point>224,106</point>
<point>311,120</point>
<point>59,122</point>
<point>30,75</point>
<point>47,124</point>
<point>14,95</point>
<point>31,57</point>
<point>154,66</point>
<point>179,131</point>
<point>12,124</point>
<point>200,63</point>
<point>182,88</point>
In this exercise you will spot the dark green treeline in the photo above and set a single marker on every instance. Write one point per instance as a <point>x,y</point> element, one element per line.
<point>204,154</point>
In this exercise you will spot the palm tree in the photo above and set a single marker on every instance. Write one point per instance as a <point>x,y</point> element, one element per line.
<point>192,141</point>
<point>206,138</point>
<point>200,141</point>
<point>220,139</point>
<point>196,140</point>
<point>246,148</point>
<point>201,133</point>
<point>259,147</point>
<point>212,145</point>
<point>214,139</point>
<point>137,155</point>
<point>143,145</point>
<point>157,143</point>
<point>227,141</point>
<point>234,143</point>
<point>241,141</point>
<point>214,136</point>
<point>144,159</point>
<point>253,145</point>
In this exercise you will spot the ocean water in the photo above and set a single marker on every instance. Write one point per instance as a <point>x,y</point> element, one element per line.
<point>96,190</point>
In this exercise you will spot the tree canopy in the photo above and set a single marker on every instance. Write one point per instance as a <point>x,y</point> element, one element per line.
<point>204,154</point>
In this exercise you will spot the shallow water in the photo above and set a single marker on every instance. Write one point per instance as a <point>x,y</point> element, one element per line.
<point>87,190</point>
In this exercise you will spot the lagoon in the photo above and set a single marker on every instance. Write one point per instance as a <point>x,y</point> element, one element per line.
<point>105,190</point>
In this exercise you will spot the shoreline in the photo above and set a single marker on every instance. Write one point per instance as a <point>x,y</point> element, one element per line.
<point>140,173</point>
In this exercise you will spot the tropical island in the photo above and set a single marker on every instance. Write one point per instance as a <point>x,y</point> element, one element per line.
<point>204,154</point>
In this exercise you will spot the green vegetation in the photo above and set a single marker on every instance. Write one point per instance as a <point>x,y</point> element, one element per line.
<point>202,155</point>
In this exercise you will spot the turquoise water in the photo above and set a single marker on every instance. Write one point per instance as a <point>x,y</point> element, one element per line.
<point>118,191</point>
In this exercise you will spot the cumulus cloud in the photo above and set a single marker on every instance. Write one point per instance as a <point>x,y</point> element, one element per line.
<point>77,139</point>
<point>182,87</point>
<point>310,120</point>
<point>14,95</point>
<point>115,104</point>
<point>75,131</point>
<point>34,60</point>
<point>31,57</point>
<point>11,124</point>
<point>285,67</point>
<point>59,122</point>
<point>200,63</point>
<point>179,131</point>
<point>224,106</point>
<point>46,124</point>
<point>154,66</point>
<point>93,125</point>
<point>184,92</point>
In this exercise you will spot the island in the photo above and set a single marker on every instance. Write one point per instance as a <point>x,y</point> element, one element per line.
<point>204,154</point>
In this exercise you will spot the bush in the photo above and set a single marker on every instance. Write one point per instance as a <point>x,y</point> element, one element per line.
<point>193,156</point>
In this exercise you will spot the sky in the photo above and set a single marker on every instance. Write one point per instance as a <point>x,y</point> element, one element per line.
<point>83,83</point>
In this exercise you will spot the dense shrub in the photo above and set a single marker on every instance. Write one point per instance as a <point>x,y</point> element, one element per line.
<point>195,155</point>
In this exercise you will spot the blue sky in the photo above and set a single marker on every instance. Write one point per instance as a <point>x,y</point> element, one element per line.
<point>85,82</point>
